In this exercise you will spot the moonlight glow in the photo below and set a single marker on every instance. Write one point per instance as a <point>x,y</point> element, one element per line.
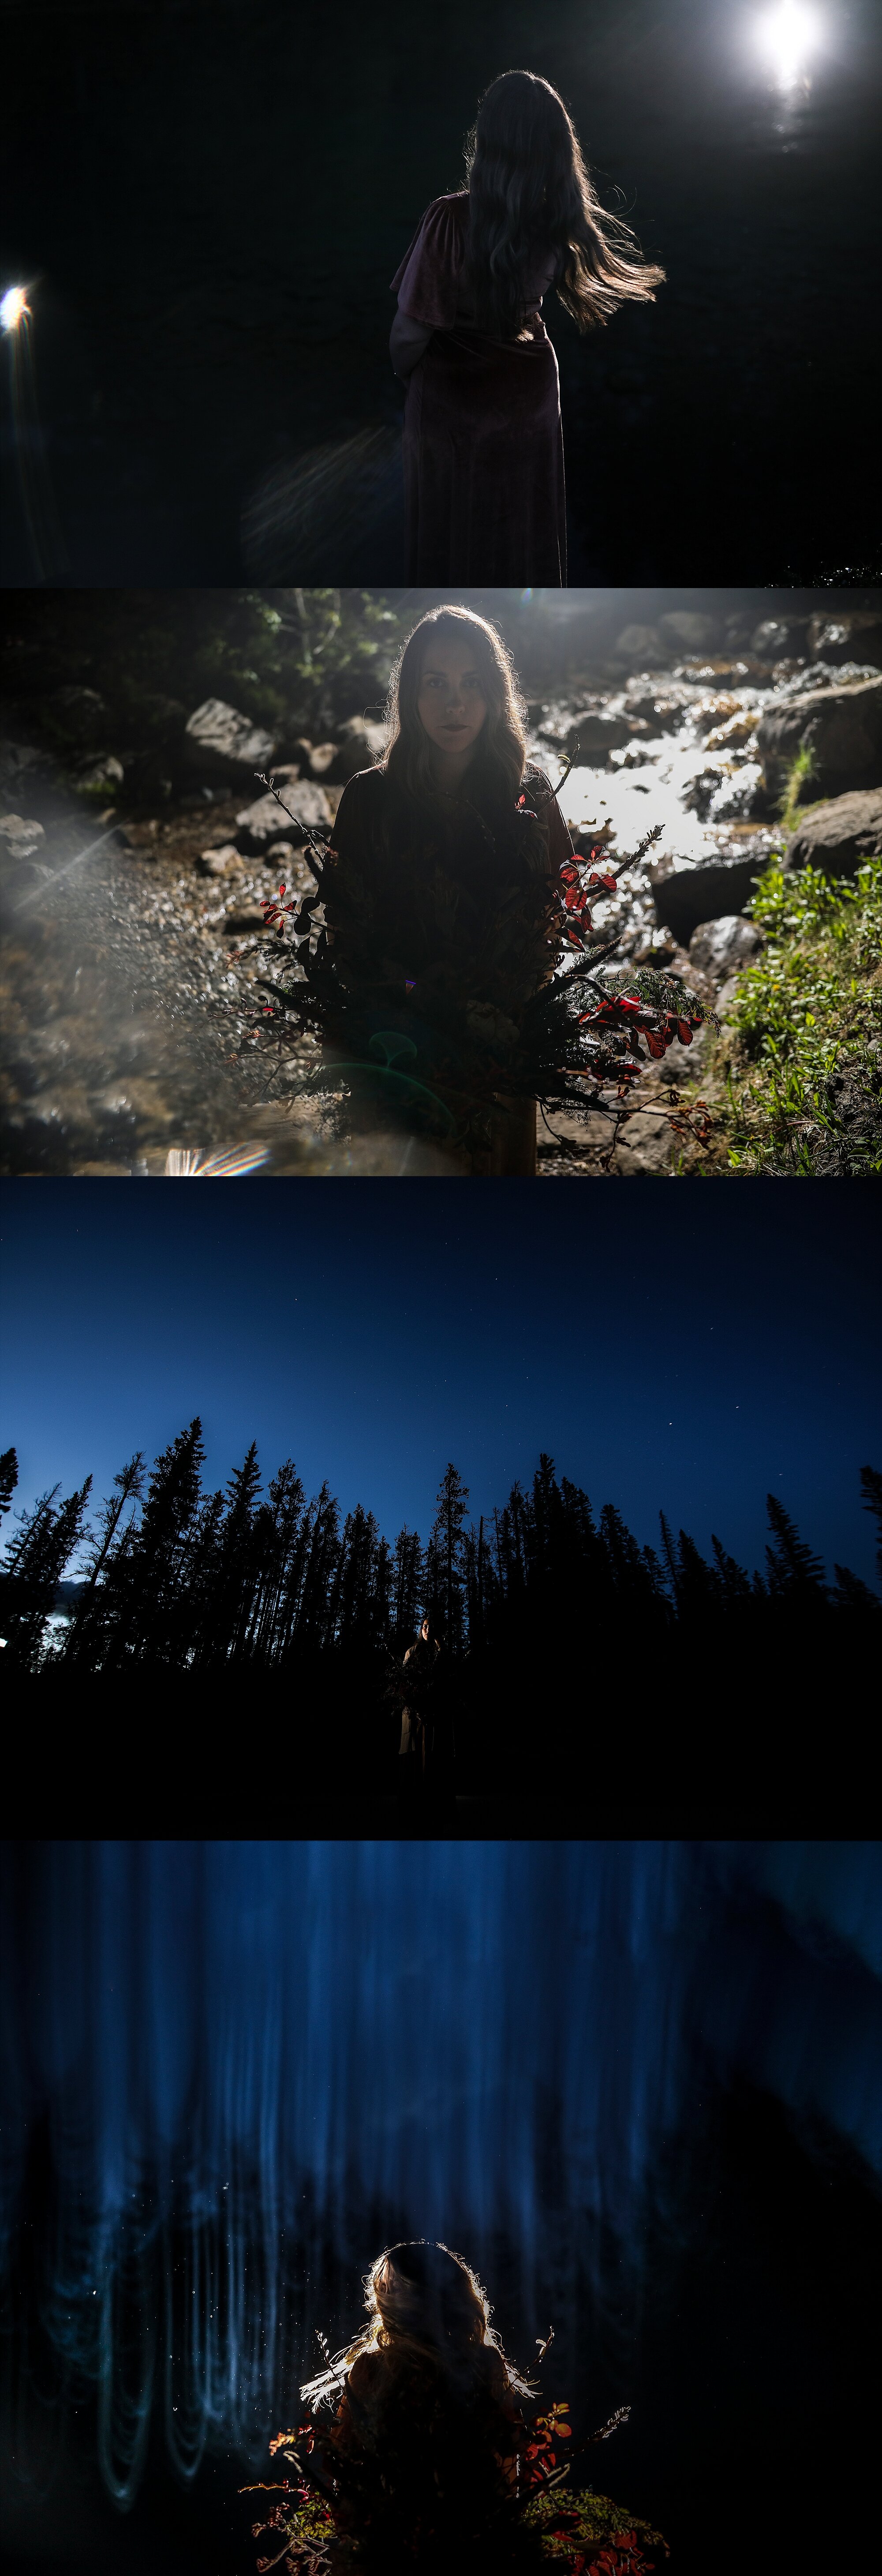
<point>13,307</point>
<point>788,37</point>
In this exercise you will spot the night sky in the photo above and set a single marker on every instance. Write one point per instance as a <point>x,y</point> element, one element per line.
<point>688,1348</point>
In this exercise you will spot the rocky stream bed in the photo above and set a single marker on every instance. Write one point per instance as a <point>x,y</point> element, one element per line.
<point>133,938</point>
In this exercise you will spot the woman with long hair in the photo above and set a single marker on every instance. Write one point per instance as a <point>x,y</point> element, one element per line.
<point>420,2458</point>
<point>443,889</point>
<point>483,451</point>
<point>435,2456</point>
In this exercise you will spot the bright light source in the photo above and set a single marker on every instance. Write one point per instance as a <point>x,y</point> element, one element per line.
<point>13,307</point>
<point>788,36</point>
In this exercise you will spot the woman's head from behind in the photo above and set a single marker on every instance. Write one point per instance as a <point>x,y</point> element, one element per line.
<point>529,189</point>
<point>422,2293</point>
<point>453,689</point>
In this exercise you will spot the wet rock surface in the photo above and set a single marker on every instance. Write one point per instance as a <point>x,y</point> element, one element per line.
<point>840,728</point>
<point>838,835</point>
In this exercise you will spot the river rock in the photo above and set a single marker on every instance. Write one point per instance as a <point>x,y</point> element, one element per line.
<point>717,887</point>
<point>645,1144</point>
<point>717,947</point>
<point>224,744</point>
<point>663,713</point>
<point>690,629</point>
<point>359,744</point>
<point>596,734</point>
<point>20,834</point>
<point>105,773</point>
<point>841,727</point>
<point>222,862</point>
<point>263,822</point>
<point>856,637</point>
<point>778,638</point>
<point>837,836</point>
<point>638,645</point>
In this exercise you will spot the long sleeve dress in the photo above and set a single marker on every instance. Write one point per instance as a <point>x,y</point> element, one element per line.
<point>449,897</point>
<point>483,447</point>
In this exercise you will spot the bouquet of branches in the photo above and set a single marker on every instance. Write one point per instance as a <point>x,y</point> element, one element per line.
<point>520,1012</point>
<point>339,2510</point>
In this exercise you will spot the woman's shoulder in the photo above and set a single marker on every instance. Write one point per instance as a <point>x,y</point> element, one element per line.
<point>426,282</point>
<point>362,797</point>
<point>536,783</point>
<point>452,209</point>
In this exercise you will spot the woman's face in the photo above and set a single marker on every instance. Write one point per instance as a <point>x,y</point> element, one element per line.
<point>451,703</point>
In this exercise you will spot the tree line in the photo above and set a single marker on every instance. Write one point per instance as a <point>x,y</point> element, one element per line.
<point>172,1577</point>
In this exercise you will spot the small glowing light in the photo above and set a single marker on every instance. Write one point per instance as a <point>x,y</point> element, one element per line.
<point>13,307</point>
<point>788,36</point>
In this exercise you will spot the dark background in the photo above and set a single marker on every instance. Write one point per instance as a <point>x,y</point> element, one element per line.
<point>706,2015</point>
<point>213,197</point>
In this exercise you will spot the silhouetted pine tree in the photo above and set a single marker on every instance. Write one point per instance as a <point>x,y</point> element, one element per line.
<point>87,1632</point>
<point>734,1582</point>
<point>871,1489</point>
<point>35,1563</point>
<point>408,1579</point>
<point>851,1593</point>
<point>8,1479</point>
<point>150,1577</point>
<point>447,1544</point>
<point>793,1570</point>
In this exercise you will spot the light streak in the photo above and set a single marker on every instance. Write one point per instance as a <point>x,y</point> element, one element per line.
<point>14,307</point>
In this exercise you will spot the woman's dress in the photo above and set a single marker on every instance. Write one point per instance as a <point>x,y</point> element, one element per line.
<point>399,850</point>
<point>483,448</point>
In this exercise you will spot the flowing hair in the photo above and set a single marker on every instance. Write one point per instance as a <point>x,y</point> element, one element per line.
<point>500,750</point>
<point>529,191</point>
<point>433,2306</point>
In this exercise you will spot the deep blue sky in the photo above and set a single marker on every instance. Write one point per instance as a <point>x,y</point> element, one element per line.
<point>686,1347</point>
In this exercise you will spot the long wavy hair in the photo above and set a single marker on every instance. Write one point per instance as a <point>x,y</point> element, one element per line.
<point>500,751</point>
<point>530,192</point>
<point>431,2305</point>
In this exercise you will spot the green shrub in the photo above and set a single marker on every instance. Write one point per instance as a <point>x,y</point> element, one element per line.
<point>801,1053</point>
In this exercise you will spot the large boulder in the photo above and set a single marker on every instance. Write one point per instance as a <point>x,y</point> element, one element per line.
<point>841,727</point>
<point>855,637</point>
<point>705,893</point>
<point>595,734</point>
<point>224,745</point>
<point>264,822</point>
<point>837,836</point>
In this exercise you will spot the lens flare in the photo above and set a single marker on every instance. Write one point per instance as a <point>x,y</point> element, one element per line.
<point>13,307</point>
<point>788,37</point>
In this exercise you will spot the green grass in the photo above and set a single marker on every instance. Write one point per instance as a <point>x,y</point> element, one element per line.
<point>799,1060</point>
<point>792,806</point>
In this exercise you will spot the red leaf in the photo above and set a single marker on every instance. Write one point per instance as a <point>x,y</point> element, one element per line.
<point>684,1032</point>
<point>656,1045</point>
